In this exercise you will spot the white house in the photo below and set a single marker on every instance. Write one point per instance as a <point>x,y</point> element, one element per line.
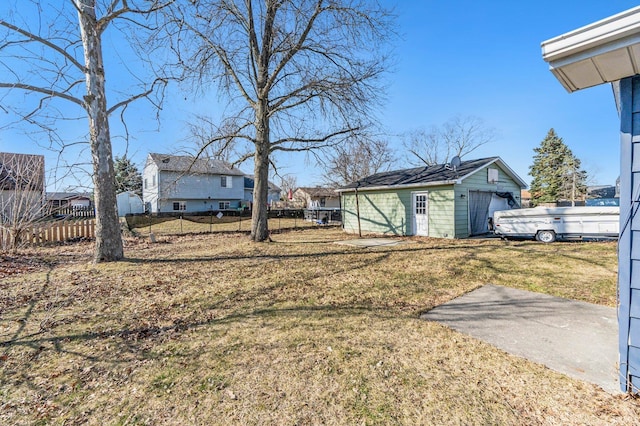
<point>59,200</point>
<point>172,183</point>
<point>316,198</point>
<point>129,203</point>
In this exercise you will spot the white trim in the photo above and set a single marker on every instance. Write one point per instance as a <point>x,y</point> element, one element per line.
<point>503,165</point>
<point>605,51</point>
<point>615,28</point>
<point>414,222</point>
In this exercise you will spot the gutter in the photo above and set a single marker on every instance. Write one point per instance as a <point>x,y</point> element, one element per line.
<point>408,186</point>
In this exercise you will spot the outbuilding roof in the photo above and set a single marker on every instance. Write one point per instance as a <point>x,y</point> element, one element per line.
<point>440,174</point>
<point>192,165</point>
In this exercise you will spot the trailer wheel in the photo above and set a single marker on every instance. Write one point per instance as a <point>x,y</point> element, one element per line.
<point>546,236</point>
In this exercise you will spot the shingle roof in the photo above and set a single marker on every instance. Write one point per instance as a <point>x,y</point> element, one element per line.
<point>319,191</point>
<point>438,174</point>
<point>51,196</point>
<point>184,163</point>
<point>249,183</point>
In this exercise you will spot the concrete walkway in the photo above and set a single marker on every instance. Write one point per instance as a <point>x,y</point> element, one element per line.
<point>574,338</point>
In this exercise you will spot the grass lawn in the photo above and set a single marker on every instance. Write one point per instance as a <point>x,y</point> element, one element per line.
<point>207,224</point>
<point>212,329</point>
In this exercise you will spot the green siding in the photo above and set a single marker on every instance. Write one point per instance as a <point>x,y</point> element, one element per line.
<point>441,211</point>
<point>479,182</point>
<point>381,212</point>
<point>391,212</point>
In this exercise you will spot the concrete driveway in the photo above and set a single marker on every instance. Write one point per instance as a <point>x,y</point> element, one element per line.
<point>574,338</point>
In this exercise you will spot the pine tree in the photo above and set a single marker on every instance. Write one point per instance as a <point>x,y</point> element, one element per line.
<point>556,172</point>
<point>128,178</point>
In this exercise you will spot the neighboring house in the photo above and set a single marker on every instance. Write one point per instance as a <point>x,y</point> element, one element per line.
<point>316,198</point>
<point>601,191</point>
<point>602,195</point>
<point>129,203</point>
<point>58,200</point>
<point>172,183</point>
<point>272,197</point>
<point>434,201</point>
<point>21,186</point>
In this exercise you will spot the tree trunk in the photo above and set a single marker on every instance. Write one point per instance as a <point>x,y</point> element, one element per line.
<point>108,237</point>
<point>259,214</point>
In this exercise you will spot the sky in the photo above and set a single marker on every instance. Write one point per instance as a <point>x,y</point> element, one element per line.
<point>455,57</point>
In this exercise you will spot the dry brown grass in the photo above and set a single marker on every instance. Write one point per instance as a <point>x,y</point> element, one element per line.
<point>211,224</point>
<point>214,329</point>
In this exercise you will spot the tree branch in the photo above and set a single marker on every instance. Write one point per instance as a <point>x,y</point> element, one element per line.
<point>45,42</point>
<point>49,92</point>
<point>136,97</point>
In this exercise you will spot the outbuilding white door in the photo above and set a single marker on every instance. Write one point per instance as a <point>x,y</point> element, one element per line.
<point>420,214</point>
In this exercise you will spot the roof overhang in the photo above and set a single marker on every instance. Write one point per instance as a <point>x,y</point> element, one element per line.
<point>513,175</point>
<point>602,52</point>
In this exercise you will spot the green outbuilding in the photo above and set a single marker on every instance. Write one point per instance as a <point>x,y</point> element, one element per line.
<point>453,200</point>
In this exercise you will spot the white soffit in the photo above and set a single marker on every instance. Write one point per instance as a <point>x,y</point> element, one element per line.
<point>605,51</point>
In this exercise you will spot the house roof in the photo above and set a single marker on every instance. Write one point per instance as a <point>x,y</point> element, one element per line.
<point>66,196</point>
<point>318,191</point>
<point>249,184</point>
<point>440,174</point>
<point>192,165</point>
<point>605,51</point>
<point>25,171</point>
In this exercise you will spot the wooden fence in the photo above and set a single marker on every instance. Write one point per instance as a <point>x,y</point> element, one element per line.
<point>47,232</point>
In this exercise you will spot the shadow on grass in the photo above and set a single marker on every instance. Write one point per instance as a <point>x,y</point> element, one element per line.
<point>132,339</point>
<point>348,250</point>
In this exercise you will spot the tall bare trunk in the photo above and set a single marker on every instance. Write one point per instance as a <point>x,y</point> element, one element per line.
<point>108,238</point>
<point>259,215</point>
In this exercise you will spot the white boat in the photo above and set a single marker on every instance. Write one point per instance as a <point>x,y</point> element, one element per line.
<point>548,224</point>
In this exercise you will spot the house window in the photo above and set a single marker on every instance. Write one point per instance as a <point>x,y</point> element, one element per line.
<point>323,202</point>
<point>225,181</point>
<point>224,205</point>
<point>492,175</point>
<point>145,183</point>
<point>153,182</point>
<point>421,204</point>
<point>180,205</point>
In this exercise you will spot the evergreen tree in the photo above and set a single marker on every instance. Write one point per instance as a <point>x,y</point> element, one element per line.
<point>556,172</point>
<point>128,178</point>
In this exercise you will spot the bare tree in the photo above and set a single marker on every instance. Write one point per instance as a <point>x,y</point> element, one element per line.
<point>54,58</point>
<point>21,196</point>
<point>288,183</point>
<point>356,159</point>
<point>299,74</point>
<point>458,136</point>
<point>213,140</point>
